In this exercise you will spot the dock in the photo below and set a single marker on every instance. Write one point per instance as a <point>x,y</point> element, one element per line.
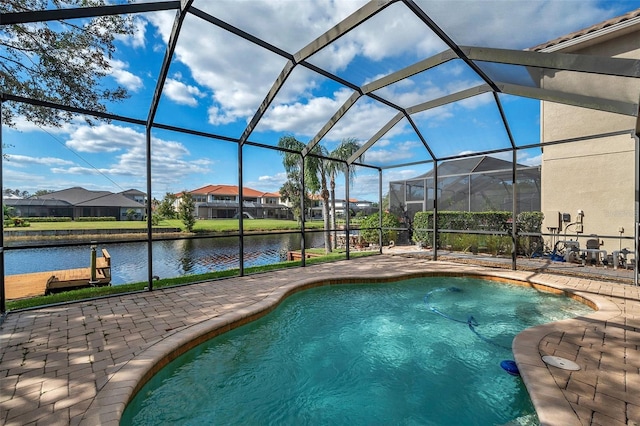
<point>41,283</point>
<point>296,255</point>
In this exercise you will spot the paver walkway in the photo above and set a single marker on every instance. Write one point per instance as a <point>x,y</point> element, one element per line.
<point>80,363</point>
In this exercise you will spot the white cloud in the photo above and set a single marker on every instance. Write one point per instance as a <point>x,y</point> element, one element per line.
<point>22,125</point>
<point>140,29</point>
<point>278,178</point>
<point>29,161</point>
<point>268,183</point>
<point>306,118</point>
<point>393,152</point>
<point>515,25</point>
<point>476,101</point>
<point>182,93</point>
<point>122,76</point>
<point>363,120</point>
<point>104,138</point>
<point>126,149</point>
<point>137,39</point>
<point>239,74</point>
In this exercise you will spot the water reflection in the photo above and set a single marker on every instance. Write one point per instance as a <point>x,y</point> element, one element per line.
<point>170,258</point>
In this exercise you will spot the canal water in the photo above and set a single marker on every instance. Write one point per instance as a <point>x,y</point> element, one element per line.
<point>171,258</point>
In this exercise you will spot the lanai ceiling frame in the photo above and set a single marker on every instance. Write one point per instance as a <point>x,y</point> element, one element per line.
<point>469,54</point>
<point>473,58</point>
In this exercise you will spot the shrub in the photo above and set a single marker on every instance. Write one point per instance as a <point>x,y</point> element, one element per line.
<point>526,222</point>
<point>530,222</point>
<point>49,219</point>
<point>19,222</point>
<point>96,219</point>
<point>422,222</point>
<point>369,228</point>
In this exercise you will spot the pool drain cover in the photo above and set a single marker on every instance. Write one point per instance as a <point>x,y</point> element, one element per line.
<point>559,362</point>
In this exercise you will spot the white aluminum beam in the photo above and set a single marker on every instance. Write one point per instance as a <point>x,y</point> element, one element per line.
<point>559,61</point>
<point>454,97</point>
<point>380,133</point>
<point>343,27</point>
<point>409,71</point>
<point>600,104</point>
<point>332,121</point>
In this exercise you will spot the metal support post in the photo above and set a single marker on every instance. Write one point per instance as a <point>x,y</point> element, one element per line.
<point>380,207</point>
<point>240,214</point>
<point>435,210</point>
<point>514,209</point>
<point>3,301</point>
<point>149,211</point>
<point>347,211</point>
<point>303,243</point>
<point>636,242</point>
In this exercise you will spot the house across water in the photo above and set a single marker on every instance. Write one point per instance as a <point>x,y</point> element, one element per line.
<point>78,202</point>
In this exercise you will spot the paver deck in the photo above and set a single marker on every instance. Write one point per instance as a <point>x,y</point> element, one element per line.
<point>81,363</point>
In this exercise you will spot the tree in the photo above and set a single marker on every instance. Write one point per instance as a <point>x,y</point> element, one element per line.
<point>346,149</point>
<point>42,192</point>
<point>7,211</point>
<point>185,211</point>
<point>62,62</point>
<point>315,175</point>
<point>291,191</point>
<point>16,192</point>
<point>166,208</point>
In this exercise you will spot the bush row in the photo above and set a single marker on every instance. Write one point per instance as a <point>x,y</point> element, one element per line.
<point>49,219</point>
<point>96,219</point>
<point>16,222</point>
<point>68,219</point>
<point>526,222</point>
<point>369,228</point>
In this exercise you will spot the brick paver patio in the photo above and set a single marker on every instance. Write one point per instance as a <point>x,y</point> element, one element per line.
<point>80,363</point>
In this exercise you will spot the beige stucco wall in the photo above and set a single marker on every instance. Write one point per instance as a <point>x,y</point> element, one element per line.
<point>596,175</point>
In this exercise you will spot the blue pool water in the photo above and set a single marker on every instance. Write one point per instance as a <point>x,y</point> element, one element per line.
<point>398,353</point>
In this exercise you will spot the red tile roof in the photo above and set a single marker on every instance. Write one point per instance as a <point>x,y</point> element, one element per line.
<point>232,190</point>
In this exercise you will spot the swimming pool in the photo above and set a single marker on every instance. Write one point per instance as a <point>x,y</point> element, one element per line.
<point>396,353</point>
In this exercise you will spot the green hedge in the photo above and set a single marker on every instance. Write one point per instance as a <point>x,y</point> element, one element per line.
<point>479,221</point>
<point>16,222</point>
<point>49,219</point>
<point>369,228</point>
<point>96,219</point>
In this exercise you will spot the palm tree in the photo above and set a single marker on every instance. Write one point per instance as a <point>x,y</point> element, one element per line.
<point>346,149</point>
<point>317,170</point>
<point>313,173</point>
<point>315,176</point>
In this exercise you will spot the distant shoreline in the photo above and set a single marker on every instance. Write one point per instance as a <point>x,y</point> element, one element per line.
<point>81,234</point>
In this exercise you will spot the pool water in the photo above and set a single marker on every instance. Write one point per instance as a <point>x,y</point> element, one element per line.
<point>398,353</point>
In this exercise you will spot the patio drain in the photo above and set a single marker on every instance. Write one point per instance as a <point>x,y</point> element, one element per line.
<point>559,362</point>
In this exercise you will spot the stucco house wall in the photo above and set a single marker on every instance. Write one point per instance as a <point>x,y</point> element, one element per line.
<point>595,176</point>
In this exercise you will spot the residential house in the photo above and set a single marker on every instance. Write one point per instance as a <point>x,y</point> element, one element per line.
<point>78,202</point>
<point>222,201</point>
<point>589,184</point>
<point>135,195</point>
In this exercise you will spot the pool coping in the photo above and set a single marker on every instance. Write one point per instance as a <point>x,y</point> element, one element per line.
<point>555,401</point>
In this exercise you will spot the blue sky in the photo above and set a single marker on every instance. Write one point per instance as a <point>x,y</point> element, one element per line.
<point>217,81</point>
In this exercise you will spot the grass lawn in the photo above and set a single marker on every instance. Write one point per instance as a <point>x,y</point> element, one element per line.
<point>86,293</point>
<point>213,225</point>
